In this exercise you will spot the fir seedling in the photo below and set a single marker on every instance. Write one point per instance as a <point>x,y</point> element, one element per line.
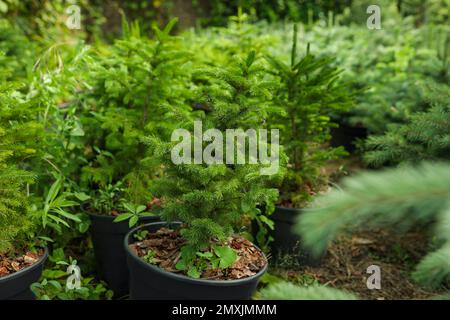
<point>425,137</point>
<point>135,88</point>
<point>13,202</point>
<point>211,200</point>
<point>308,93</point>
<point>15,144</point>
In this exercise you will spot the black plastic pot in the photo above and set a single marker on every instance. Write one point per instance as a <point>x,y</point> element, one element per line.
<point>346,136</point>
<point>286,240</point>
<point>16,286</point>
<point>148,282</point>
<point>107,238</point>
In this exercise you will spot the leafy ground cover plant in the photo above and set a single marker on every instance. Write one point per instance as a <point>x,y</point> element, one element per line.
<point>309,93</point>
<point>53,285</point>
<point>212,199</point>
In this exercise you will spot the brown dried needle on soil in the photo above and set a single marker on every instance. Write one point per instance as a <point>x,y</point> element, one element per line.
<point>345,265</point>
<point>165,245</point>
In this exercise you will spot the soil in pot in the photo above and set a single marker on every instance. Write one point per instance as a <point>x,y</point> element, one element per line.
<point>19,272</point>
<point>160,278</point>
<point>107,239</point>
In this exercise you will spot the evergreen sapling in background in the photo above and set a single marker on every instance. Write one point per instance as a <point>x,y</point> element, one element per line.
<point>132,91</point>
<point>425,137</point>
<point>308,94</point>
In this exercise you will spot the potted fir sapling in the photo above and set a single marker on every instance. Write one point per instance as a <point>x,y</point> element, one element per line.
<point>197,253</point>
<point>130,95</point>
<point>20,263</point>
<point>308,93</point>
<point>21,259</point>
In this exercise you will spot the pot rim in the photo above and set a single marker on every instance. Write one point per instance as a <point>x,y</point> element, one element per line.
<point>35,265</point>
<point>184,278</point>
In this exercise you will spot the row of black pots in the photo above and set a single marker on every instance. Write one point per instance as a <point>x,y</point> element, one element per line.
<point>16,286</point>
<point>107,239</point>
<point>146,282</point>
<point>143,281</point>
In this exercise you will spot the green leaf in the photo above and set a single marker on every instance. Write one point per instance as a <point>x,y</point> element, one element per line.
<point>147,214</point>
<point>227,256</point>
<point>81,196</point>
<point>122,217</point>
<point>267,221</point>
<point>188,253</point>
<point>54,190</point>
<point>133,221</point>
<point>193,273</point>
<point>77,131</point>
<point>63,203</point>
<point>68,215</point>
<point>58,220</point>
<point>83,227</point>
<point>215,263</point>
<point>170,25</point>
<point>181,265</point>
<point>46,239</point>
<point>53,274</point>
<point>207,255</point>
<point>140,209</point>
<point>129,207</point>
<point>57,255</point>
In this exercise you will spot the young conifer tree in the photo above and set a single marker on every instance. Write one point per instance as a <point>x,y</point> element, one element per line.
<point>212,199</point>
<point>309,93</point>
<point>132,90</point>
<point>425,137</point>
<point>19,135</point>
<point>13,202</point>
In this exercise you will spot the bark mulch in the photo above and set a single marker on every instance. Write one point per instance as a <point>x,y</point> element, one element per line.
<point>165,245</point>
<point>10,264</point>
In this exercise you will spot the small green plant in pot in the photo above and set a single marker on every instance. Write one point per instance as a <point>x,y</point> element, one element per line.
<point>197,252</point>
<point>308,94</point>
<point>21,259</point>
<point>113,212</point>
